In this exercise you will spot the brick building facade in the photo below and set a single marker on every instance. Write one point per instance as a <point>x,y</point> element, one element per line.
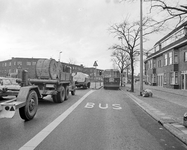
<point>13,66</point>
<point>166,62</point>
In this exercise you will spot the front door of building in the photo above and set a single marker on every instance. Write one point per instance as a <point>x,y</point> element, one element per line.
<point>160,80</point>
<point>184,81</point>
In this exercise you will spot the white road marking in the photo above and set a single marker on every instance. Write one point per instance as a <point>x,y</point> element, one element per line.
<point>89,105</point>
<point>116,106</point>
<point>38,138</point>
<point>105,106</point>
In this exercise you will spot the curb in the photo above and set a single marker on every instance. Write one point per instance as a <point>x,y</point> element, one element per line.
<point>177,129</point>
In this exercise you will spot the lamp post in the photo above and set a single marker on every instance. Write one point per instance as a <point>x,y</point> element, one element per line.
<point>59,55</point>
<point>141,50</point>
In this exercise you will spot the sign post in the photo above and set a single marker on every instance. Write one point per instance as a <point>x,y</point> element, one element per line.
<point>95,65</point>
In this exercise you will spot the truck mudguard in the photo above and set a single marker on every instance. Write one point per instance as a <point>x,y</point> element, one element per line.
<point>24,91</point>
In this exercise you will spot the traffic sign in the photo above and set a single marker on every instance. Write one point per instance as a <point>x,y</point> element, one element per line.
<point>95,64</point>
<point>12,109</point>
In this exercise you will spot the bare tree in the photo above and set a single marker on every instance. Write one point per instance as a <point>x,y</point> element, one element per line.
<point>130,33</point>
<point>121,59</point>
<point>72,61</point>
<point>174,9</point>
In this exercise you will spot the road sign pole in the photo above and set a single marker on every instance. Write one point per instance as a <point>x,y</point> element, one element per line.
<point>95,65</point>
<point>95,77</point>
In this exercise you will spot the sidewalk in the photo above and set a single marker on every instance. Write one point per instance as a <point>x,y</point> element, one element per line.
<point>167,106</point>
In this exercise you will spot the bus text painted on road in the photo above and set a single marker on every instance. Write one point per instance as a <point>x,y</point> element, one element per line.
<point>103,106</point>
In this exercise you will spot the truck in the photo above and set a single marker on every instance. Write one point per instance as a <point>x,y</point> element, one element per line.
<point>81,80</point>
<point>48,78</point>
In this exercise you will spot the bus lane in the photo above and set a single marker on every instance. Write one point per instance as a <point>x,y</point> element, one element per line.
<point>108,119</point>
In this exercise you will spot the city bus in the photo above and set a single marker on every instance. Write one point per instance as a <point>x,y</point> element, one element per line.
<point>111,79</point>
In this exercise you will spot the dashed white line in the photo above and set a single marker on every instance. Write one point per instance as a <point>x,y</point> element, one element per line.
<point>37,139</point>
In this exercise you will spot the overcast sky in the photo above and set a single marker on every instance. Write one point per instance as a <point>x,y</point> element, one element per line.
<point>78,28</point>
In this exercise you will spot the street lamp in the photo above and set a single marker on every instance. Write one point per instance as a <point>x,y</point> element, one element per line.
<point>59,55</point>
<point>141,50</point>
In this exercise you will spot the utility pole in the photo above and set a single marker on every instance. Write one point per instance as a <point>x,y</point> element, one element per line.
<point>141,50</point>
<point>59,55</point>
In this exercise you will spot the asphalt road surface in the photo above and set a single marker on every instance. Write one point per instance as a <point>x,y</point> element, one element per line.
<point>101,120</point>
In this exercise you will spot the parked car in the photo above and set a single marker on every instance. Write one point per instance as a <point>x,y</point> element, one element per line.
<point>8,87</point>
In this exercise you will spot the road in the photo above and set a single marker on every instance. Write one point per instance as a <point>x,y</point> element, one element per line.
<point>104,120</point>
<point>14,133</point>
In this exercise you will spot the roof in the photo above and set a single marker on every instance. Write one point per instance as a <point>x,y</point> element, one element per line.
<point>173,31</point>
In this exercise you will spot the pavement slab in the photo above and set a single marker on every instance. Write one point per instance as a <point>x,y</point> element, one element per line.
<point>166,109</point>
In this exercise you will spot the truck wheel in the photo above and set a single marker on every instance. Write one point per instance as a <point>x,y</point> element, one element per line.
<point>29,110</point>
<point>67,93</point>
<point>60,96</point>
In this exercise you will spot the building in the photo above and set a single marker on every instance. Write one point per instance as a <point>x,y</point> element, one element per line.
<point>75,68</point>
<point>166,62</point>
<point>13,67</point>
<point>91,71</point>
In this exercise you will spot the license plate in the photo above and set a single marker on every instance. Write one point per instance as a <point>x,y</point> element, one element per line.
<point>50,85</point>
<point>111,79</point>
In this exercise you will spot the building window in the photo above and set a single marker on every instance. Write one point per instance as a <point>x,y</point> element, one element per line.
<point>159,63</point>
<point>150,64</point>
<point>174,78</point>
<point>14,63</point>
<point>33,63</point>
<point>5,64</point>
<point>165,60</point>
<point>154,63</point>
<point>170,58</point>
<point>19,63</point>
<point>156,48</point>
<point>28,63</point>
<point>175,58</point>
<point>9,63</point>
<point>185,56</point>
<point>164,78</point>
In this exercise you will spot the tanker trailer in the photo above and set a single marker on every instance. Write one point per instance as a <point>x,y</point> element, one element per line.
<point>81,80</point>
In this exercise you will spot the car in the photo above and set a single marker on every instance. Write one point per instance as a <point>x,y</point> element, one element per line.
<point>8,87</point>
